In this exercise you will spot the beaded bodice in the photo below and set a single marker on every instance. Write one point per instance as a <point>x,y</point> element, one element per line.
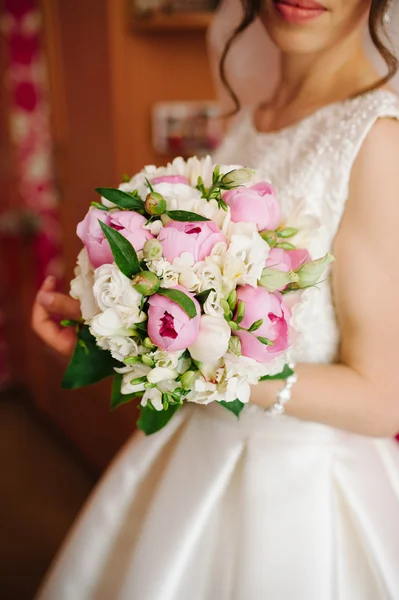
<point>309,164</point>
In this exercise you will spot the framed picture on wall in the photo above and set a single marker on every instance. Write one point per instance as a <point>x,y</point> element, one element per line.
<point>186,128</point>
<point>161,15</point>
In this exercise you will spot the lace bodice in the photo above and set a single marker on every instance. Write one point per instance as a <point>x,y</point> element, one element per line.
<point>310,163</point>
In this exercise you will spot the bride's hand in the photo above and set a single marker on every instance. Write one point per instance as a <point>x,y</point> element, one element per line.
<point>50,307</point>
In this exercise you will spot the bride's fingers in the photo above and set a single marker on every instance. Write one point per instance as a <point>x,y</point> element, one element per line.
<point>55,303</point>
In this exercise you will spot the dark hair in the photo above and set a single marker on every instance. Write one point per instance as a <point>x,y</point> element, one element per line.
<point>252,9</point>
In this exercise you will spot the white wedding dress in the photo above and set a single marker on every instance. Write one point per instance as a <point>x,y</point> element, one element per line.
<point>215,508</point>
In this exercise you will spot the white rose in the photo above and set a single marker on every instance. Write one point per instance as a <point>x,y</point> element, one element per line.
<point>212,305</point>
<point>189,280</point>
<point>209,275</point>
<point>112,289</point>
<point>154,396</point>
<point>109,324</point>
<point>245,259</point>
<point>213,339</point>
<point>82,286</point>
<point>164,270</point>
<point>119,346</point>
<point>168,360</point>
<point>178,196</point>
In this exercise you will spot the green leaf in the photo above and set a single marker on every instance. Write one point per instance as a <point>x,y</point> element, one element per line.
<point>151,421</point>
<point>89,363</point>
<point>149,185</point>
<point>181,299</point>
<point>185,216</point>
<point>123,252</point>
<point>255,326</point>
<point>117,398</point>
<point>235,407</point>
<point>99,206</point>
<point>121,199</point>
<point>286,372</point>
<point>202,297</point>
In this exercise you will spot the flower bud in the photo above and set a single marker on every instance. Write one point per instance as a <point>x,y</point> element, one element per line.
<point>240,312</point>
<point>285,246</point>
<point>187,380</point>
<point>274,280</point>
<point>155,204</point>
<point>152,250</point>
<point>147,343</point>
<point>226,308</point>
<point>236,178</point>
<point>235,345</point>
<point>288,232</point>
<point>138,380</point>
<point>233,326</point>
<point>232,299</point>
<point>270,237</point>
<point>146,283</point>
<point>147,360</point>
<point>310,273</point>
<point>132,360</point>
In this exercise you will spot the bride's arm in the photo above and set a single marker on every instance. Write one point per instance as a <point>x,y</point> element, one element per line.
<point>361,393</point>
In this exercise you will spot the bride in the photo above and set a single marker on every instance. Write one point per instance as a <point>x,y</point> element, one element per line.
<point>302,505</point>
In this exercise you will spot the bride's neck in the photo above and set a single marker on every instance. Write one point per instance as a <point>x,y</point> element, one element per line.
<point>311,81</point>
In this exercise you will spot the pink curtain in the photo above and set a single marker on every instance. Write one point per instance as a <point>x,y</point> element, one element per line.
<point>34,208</point>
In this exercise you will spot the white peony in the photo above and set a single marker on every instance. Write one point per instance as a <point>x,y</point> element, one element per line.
<point>82,286</point>
<point>212,340</point>
<point>112,289</point>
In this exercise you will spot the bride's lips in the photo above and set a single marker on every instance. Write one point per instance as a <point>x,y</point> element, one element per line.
<point>299,11</point>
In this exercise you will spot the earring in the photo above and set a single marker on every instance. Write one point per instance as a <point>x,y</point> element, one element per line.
<point>387,18</point>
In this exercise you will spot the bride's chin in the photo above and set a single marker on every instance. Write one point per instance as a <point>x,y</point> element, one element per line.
<point>294,39</point>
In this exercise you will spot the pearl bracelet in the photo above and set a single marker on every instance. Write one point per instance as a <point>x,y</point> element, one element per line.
<point>284,395</point>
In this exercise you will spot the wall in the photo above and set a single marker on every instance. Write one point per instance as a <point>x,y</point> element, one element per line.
<point>104,80</point>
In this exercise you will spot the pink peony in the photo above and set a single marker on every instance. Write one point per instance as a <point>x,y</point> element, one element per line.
<point>169,327</point>
<point>170,179</point>
<point>256,204</point>
<point>196,238</point>
<point>128,223</point>
<point>260,304</point>
<point>287,260</point>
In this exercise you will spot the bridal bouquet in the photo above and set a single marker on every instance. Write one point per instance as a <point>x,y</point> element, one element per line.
<point>183,281</point>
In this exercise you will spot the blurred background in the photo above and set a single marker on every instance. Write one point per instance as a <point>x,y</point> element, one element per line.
<point>90,90</point>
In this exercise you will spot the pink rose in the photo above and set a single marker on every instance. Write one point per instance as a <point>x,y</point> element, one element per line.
<point>260,304</point>
<point>256,204</point>
<point>128,223</point>
<point>170,179</point>
<point>287,260</point>
<point>196,238</point>
<point>169,327</point>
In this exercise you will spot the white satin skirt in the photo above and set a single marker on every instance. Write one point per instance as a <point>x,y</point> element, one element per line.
<point>263,508</point>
